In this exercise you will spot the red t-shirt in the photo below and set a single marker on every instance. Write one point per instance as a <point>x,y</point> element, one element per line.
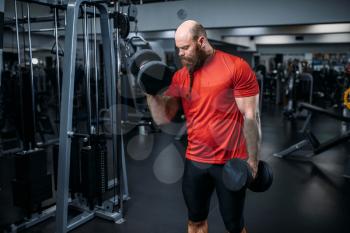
<point>214,122</point>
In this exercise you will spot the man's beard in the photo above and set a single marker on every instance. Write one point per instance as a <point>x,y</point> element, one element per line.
<point>194,63</point>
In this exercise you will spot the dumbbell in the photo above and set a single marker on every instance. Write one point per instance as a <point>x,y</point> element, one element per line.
<point>237,175</point>
<point>151,73</point>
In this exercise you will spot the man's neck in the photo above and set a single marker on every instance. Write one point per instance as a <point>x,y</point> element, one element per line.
<point>209,51</point>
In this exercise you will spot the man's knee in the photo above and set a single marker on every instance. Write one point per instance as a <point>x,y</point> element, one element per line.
<point>198,224</point>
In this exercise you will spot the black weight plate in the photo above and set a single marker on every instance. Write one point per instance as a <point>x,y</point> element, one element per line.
<point>140,58</point>
<point>154,77</point>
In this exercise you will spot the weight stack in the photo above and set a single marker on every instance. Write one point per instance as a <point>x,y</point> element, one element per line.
<point>94,169</point>
<point>74,172</point>
<point>32,185</point>
<point>27,124</point>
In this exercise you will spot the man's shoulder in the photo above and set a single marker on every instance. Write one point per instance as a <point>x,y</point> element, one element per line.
<point>227,56</point>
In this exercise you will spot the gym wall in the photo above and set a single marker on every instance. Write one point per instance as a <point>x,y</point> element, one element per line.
<point>240,13</point>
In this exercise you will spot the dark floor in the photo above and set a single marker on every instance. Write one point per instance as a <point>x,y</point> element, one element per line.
<point>306,196</point>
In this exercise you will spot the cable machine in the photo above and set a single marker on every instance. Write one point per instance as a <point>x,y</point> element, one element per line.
<point>111,209</point>
<point>80,158</point>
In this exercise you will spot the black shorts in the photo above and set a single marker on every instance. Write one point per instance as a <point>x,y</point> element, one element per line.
<point>198,184</point>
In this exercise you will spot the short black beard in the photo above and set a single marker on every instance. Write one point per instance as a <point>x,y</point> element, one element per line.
<point>198,62</point>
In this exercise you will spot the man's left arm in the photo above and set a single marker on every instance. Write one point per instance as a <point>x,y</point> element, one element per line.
<point>249,107</point>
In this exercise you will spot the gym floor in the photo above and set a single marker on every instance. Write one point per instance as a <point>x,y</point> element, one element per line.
<point>307,195</point>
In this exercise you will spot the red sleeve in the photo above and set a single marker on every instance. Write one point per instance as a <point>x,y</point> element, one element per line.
<point>173,90</point>
<point>244,80</point>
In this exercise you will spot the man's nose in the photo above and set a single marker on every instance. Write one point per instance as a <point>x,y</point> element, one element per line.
<point>181,53</point>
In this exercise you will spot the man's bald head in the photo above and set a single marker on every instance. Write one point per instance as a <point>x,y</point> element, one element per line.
<point>192,44</point>
<point>192,29</point>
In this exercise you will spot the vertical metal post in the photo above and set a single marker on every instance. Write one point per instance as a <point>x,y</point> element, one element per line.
<point>124,172</point>
<point>17,34</point>
<point>2,6</point>
<point>66,116</point>
<point>117,40</point>
<point>65,18</point>
<point>57,59</point>
<point>30,43</point>
<point>118,118</point>
<point>96,75</point>
<point>32,84</point>
<point>87,69</point>
<point>110,74</point>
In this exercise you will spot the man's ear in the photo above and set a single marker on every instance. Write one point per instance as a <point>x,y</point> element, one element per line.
<point>201,41</point>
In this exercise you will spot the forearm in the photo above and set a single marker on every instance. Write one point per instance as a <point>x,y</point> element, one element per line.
<point>162,108</point>
<point>252,135</point>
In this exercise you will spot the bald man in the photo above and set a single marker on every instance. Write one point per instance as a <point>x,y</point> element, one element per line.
<point>219,95</point>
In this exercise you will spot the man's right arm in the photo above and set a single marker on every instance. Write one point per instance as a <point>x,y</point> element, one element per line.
<point>163,108</point>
